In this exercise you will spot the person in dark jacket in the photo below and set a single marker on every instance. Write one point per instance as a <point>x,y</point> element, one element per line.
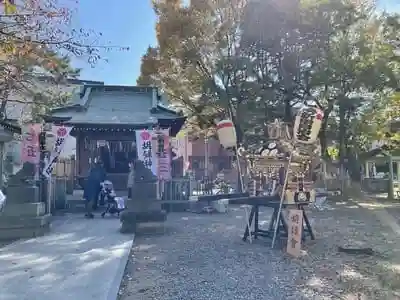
<point>93,187</point>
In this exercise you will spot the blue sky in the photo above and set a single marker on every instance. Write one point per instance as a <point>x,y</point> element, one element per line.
<point>122,22</point>
<point>129,23</point>
<point>391,5</point>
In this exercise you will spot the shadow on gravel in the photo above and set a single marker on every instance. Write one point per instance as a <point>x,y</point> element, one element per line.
<point>329,272</point>
<point>154,230</point>
<point>206,254</point>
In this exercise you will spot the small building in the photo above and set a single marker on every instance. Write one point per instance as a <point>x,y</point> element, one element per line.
<point>193,153</point>
<point>104,120</point>
<point>395,126</point>
<point>382,171</point>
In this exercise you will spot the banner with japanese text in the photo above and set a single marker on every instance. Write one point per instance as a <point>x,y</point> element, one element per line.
<point>30,144</point>
<point>163,158</point>
<point>61,135</point>
<point>159,166</point>
<point>144,149</point>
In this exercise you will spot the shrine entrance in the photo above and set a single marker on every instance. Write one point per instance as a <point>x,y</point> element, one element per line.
<point>114,148</point>
<point>104,121</point>
<point>115,155</point>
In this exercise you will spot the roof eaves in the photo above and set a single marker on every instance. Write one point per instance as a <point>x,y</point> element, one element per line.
<point>47,78</point>
<point>84,82</point>
<point>162,108</point>
<point>129,88</point>
<point>50,119</point>
<point>66,107</point>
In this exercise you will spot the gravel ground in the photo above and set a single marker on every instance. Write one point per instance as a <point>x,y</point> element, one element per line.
<point>203,257</point>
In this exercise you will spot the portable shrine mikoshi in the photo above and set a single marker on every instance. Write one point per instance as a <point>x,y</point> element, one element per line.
<point>266,176</point>
<point>281,174</point>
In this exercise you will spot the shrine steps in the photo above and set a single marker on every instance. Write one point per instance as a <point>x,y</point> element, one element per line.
<point>12,227</point>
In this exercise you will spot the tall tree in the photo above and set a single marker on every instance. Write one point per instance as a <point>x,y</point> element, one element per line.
<point>36,39</point>
<point>257,60</point>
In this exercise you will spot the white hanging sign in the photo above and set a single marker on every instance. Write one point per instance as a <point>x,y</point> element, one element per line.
<point>148,155</point>
<point>62,133</point>
<point>164,158</point>
<point>144,149</point>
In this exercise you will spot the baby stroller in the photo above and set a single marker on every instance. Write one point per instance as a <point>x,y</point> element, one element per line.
<point>114,204</point>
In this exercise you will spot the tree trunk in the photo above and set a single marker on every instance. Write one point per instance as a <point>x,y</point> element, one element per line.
<point>322,140</point>
<point>322,133</point>
<point>342,150</point>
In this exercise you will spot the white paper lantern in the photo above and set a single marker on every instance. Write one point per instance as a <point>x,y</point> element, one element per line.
<point>307,125</point>
<point>227,133</point>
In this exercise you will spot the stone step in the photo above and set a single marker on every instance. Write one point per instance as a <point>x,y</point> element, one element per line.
<point>7,222</point>
<point>76,203</point>
<point>78,206</point>
<point>11,234</point>
<point>26,209</point>
<point>23,227</point>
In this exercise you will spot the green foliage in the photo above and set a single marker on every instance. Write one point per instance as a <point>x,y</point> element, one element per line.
<point>255,61</point>
<point>333,152</point>
<point>376,120</point>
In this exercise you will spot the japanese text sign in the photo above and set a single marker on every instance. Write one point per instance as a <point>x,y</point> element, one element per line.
<point>144,149</point>
<point>163,154</point>
<point>30,144</point>
<point>148,151</point>
<point>61,135</point>
<point>295,227</point>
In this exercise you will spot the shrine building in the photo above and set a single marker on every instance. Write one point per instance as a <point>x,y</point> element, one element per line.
<point>104,120</point>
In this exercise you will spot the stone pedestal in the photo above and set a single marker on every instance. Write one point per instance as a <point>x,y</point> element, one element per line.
<point>24,216</point>
<point>144,206</point>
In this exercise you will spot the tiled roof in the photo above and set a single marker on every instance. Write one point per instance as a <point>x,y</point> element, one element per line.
<point>114,105</point>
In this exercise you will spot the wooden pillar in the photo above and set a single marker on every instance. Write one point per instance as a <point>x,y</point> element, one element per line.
<point>81,155</point>
<point>77,154</point>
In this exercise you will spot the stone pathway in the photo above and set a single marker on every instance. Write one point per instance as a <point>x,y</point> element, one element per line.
<point>203,257</point>
<point>80,259</point>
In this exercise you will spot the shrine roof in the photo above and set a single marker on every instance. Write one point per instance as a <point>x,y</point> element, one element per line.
<point>114,105</point>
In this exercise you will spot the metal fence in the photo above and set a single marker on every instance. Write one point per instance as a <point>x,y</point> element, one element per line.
<point>183,188</point>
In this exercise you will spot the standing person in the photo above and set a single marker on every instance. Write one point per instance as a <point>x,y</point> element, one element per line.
<point>93,187</point>
<point>131,178</point>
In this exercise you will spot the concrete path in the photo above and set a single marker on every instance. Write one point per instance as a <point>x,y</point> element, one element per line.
<point>80,259</point>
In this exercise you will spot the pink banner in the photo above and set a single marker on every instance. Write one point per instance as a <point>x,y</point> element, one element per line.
<point>30,144</point>
<point>164,160</point>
